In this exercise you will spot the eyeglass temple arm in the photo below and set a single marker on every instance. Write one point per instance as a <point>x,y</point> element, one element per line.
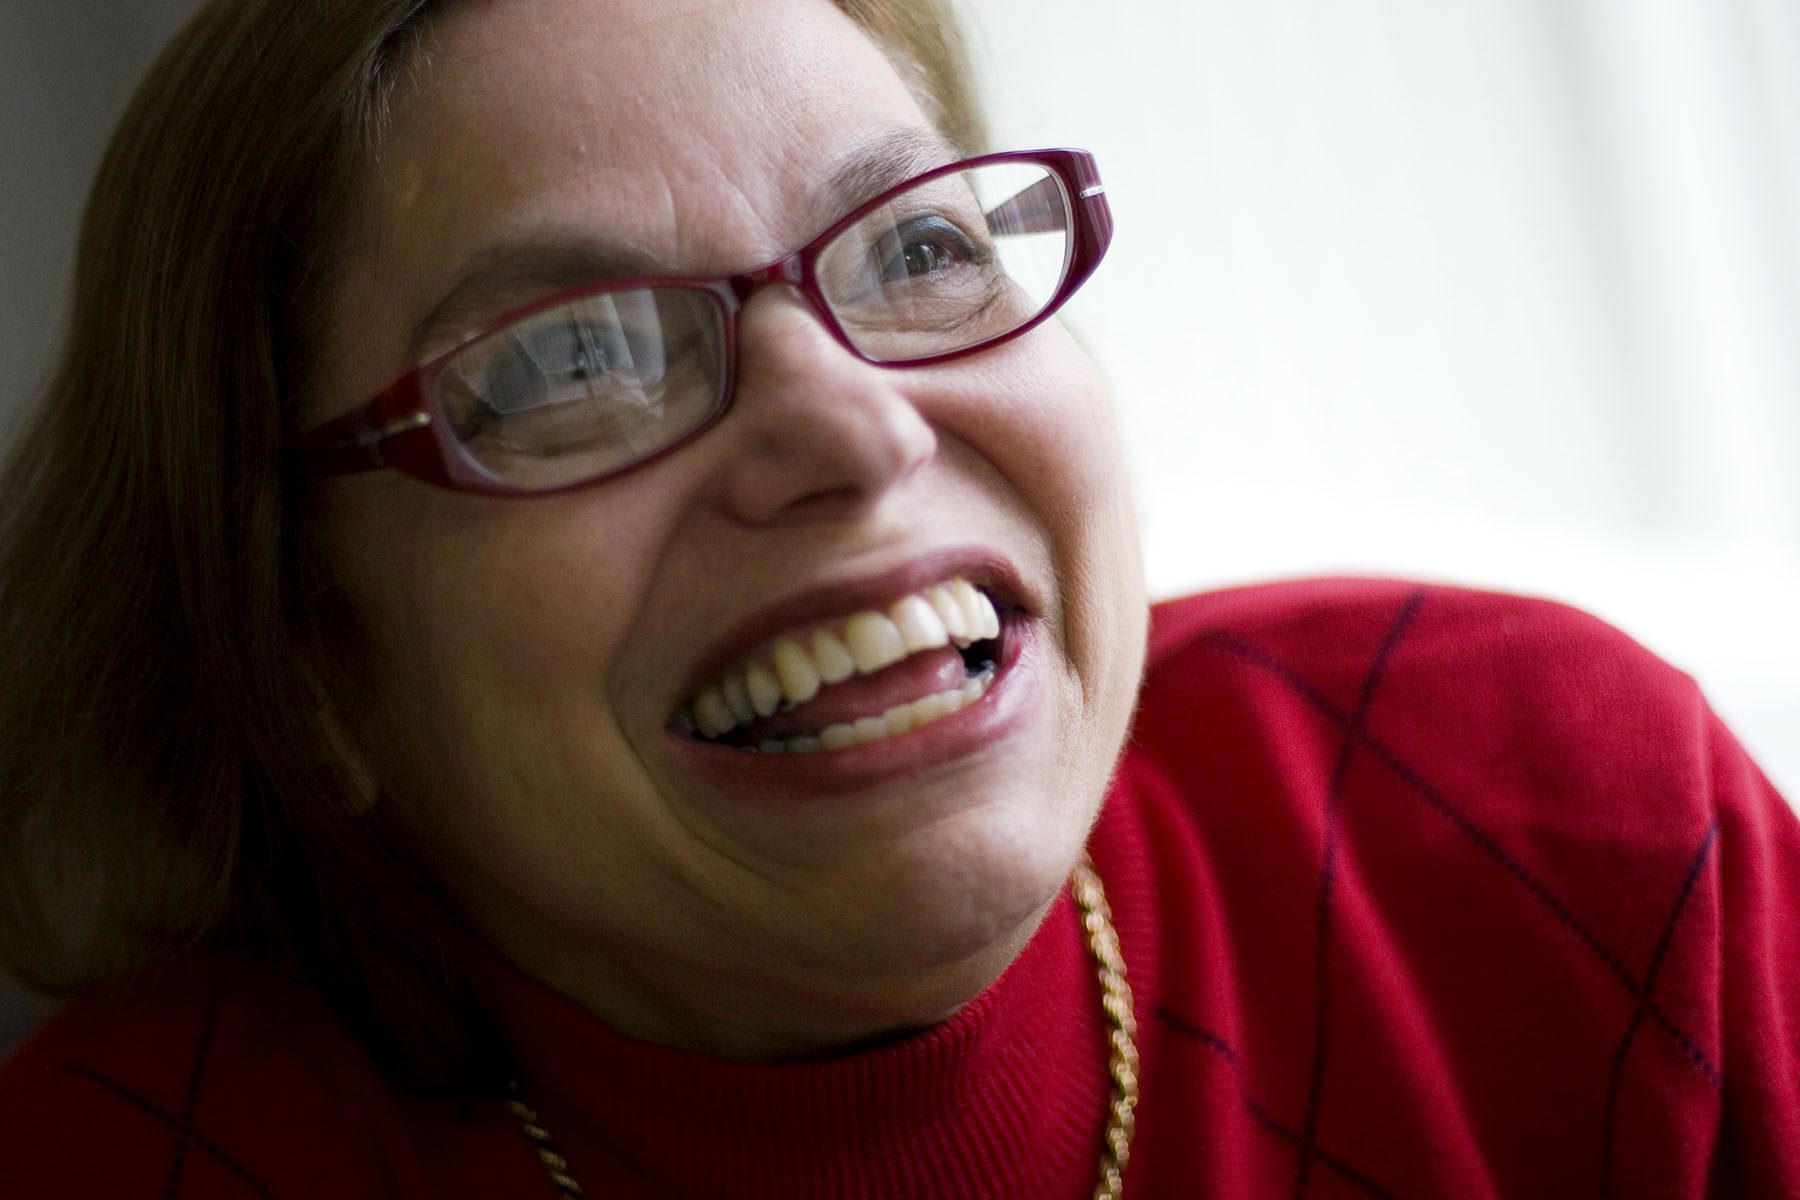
<point>1094,229</point>
<point>352,442</point>
<point>1037,209</point>
<point>1090,194</point>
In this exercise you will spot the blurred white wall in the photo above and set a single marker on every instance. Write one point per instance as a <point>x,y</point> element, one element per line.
<point>1504,292</point>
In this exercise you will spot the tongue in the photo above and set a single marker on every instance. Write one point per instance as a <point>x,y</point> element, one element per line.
<point>864,695</point>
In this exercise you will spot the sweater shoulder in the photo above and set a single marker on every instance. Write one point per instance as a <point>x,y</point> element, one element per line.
<point>200,1078</point>
<point>1496,694</point>
<point>1473,621</point>
<point>1330,632</point>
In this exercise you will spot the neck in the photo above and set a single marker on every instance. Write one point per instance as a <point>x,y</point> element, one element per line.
<point>1005,1098</point>
<point>765,1012</point>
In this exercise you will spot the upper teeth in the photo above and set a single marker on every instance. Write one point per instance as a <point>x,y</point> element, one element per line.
<point>798,665</point>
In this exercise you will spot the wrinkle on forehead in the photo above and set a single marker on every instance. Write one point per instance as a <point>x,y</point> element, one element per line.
<point>673,102</point>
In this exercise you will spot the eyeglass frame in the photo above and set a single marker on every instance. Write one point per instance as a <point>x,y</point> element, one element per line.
<point>402,427</point>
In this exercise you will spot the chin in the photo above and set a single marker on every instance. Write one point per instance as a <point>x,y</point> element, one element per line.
<point>959,897</point>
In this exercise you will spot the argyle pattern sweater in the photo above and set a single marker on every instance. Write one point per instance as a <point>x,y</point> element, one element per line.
<point>1422,893</point>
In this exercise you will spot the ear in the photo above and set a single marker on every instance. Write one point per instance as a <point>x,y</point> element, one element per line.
<point>362,791</point>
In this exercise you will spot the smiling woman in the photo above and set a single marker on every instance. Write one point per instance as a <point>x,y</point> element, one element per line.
<point>579,624</point>
<point>529,662</point>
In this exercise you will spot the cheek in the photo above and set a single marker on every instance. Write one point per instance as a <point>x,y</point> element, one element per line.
<point>484,627</point>
<point>1046,419</point>
<point>1046,423</point>
<point>1051,430</point>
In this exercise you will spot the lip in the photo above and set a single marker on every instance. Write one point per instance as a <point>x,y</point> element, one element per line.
<point>988,571</point>
<point>789,778</point>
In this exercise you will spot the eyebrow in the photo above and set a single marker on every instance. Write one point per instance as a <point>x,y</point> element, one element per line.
<point>517,269</point>
<point>890,156</point>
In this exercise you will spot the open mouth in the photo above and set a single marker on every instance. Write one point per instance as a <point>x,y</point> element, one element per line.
<point>874,674</point>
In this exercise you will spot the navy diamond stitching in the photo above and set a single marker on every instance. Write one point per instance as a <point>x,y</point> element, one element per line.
<point>182,1124</point>
<point>1261,1114</point>
<point>1521,874</point>
<point>1356,736</point>
<point>1315,1091</point>
<point>196,1074</point>
<point>157,1112</point>
<point>1657,957</point>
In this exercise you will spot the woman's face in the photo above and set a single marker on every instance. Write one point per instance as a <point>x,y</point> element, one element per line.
<point>531,660</point>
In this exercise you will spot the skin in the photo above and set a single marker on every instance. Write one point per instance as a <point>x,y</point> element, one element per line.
<point>529,653</point>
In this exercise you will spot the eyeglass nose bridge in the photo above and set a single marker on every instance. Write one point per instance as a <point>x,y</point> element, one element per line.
<point>790,270</point>
<point>793,271</point>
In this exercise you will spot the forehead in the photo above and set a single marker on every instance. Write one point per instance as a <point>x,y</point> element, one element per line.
<point>670,120</point>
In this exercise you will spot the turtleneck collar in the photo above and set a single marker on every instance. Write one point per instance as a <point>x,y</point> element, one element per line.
<point>1007,1098</point>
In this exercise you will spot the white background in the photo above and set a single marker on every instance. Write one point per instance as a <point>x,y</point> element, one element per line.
<point>1503,292</point>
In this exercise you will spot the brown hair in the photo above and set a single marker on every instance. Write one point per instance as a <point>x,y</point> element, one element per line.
<point>165,782</point>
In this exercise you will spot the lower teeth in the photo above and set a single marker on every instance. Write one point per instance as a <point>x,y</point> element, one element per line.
<point>902,718</point>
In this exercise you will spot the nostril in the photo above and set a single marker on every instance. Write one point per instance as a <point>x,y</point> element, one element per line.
<point>819,431</point>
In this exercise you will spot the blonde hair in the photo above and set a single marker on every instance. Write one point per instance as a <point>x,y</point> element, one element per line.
<point>165,781</point>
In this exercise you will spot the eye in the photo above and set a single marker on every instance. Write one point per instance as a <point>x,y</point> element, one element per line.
<point>923,246</point>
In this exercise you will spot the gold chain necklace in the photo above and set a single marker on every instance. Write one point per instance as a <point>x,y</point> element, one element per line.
<point>1122,1065</point>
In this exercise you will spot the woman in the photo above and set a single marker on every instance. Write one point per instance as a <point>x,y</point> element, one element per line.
<point>575,620</point>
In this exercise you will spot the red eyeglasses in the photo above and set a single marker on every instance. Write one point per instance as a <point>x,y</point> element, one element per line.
<point>591,383</point>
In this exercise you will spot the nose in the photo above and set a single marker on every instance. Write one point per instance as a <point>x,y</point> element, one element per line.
<point>820,432</point>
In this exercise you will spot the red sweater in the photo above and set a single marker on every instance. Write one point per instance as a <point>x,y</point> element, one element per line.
<point>1423,893</point>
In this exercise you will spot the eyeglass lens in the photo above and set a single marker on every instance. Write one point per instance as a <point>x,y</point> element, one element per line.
<point>951,263</point>
<point>595,384</point>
